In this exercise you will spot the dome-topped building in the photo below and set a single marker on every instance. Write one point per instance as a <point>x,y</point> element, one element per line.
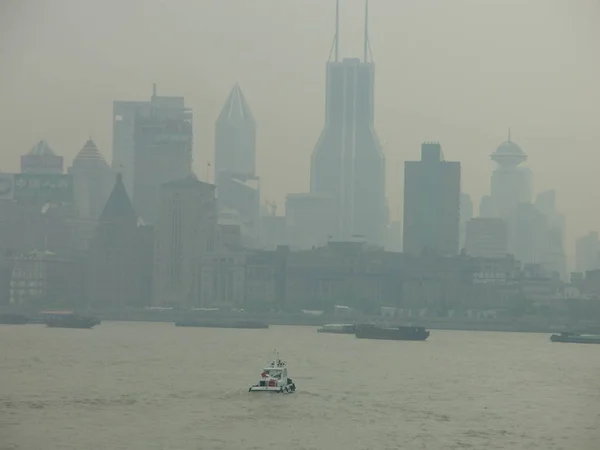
<point>93,180</point>
<point>509,154</point>
<point>511,183</point>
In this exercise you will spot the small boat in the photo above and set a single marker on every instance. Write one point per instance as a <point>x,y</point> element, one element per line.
<point>338,328</point>
<point>274,378</point>
<point>72,321</point>
<point>245,324</point>
<point>13,319</point>
<point>409,333</point>
<point>575,338</point>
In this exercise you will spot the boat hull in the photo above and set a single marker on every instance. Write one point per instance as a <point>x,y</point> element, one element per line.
<point>272,390</point>
<point>13,319</point>
<point>575,339</point>
<point>336,330</point>
<point>391,334</point>
<point>81,326</point>
<point>73,321</point>
<point>239,325</point>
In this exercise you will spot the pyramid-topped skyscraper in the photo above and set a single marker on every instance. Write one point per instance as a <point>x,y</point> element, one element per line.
<point>93,180</point>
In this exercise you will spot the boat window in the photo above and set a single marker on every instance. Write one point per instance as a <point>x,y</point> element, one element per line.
<point>274,373</point>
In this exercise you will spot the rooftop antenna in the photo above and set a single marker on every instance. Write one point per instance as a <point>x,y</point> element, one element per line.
<point>153,89</point>
<point>508,134</point>
<point>336,40</point>
<point>337,29</point>
<point>366,43</point>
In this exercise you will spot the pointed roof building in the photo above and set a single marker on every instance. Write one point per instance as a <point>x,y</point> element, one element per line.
<point>235,137</point>
<point>41,159</point>
<point>119,204</point>
<point>89,157</point>
<point>41,149</point>
<point>117,255</point>
<point>236,107</point>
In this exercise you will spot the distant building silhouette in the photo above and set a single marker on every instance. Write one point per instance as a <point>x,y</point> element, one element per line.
<point>41,159</point>
<point>152,145</point>
<point>93,181</point>
<point>511,184</point>
<point>466,214</point>
<point>527,234</point>
<point>274,231</point>
<point>186,230</point>
<point>348,163</point>
<point>431,203</point>
<point>310,220</point>
<point>115,267</point>
<point>553,252</point>
<point>238,187</point>
<point>587,252</point>
<point>42,278</point>
<point>486,238</point>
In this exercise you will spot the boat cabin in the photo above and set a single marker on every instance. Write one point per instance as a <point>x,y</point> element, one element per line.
<point>274,374</point>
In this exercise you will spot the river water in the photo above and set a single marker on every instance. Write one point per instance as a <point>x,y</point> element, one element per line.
<point>140,386</point>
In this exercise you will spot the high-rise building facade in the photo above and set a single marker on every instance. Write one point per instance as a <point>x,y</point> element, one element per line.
<point>152,145</point>
<point>554,258</point>
<point>238,187</point>
<point>186,230</point>
<point>348,163</point>
<point>235,137</point>
<point>587,252</point>
<point>431,203</point>
<point>486,238</point>
<point>466,214</point>
<point>310,220</point>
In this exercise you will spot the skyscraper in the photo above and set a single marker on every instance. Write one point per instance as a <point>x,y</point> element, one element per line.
<point>431,203</point>
<point>238,187</point>
<point>466,214</point>
<point>348,163</point>
<point>486,238</point>
<point>511,184</point>
<point>152,145</point>
<point>235,136</point>
<point>587,252</point>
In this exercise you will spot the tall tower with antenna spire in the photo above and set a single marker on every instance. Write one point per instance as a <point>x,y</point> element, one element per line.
<point>348,163</point>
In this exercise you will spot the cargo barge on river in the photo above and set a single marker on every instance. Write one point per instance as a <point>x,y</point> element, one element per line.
<point>404,333</point>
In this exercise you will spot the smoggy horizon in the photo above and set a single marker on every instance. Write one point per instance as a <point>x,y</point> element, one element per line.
<point>460,74</point>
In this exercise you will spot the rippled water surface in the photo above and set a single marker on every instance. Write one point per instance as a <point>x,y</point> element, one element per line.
<point>140,386</point>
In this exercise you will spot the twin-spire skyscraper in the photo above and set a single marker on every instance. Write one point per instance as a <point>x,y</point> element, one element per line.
<point>348,163</point>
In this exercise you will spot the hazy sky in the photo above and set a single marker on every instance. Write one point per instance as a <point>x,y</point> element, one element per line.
<point>457,71</point>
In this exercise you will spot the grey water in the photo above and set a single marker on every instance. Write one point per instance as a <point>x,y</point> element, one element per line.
<point>147,386</point>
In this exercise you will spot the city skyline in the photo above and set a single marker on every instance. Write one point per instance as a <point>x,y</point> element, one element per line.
<point>543,130</point>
